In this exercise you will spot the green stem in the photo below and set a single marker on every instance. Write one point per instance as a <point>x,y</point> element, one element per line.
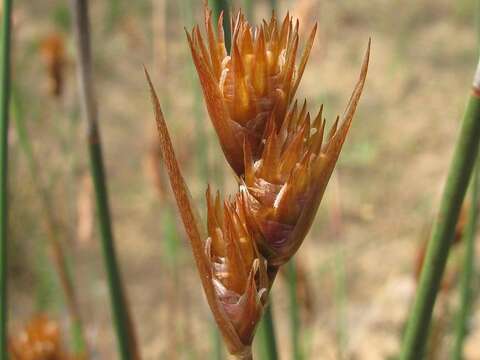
<point>273,5</point>
<point>113,14</point>
<point>466,150</point>
<point>217,343</point>
<point>466,285</point>
<point>249,10</point>
<point>294,310</point>
<point>127,345</point>
<point>219,6</point>
<point>266,334</point>
<point>4,123</point>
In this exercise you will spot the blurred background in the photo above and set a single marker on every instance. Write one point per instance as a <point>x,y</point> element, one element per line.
<point>357,268</point>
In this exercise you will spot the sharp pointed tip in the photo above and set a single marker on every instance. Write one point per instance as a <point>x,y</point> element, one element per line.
<point>149,80</point>
<point>367,52</point>
<point>366,60</point>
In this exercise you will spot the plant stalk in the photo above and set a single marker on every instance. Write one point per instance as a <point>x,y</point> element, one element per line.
<point>266,334</point>
<point>127,344</point>
<point>273,5</point>
<point>4,123</point>
<point>465,153</point>
<point>220,6</point>
<point>466,285</point>
<point>294,310</point>
<point>249,9</point>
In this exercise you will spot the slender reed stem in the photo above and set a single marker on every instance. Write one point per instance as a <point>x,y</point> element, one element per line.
<point>52,228</point>
<point>466,150</point>
<point>266,335</point>
<point>4,122</point>
<point>220,6</point>
<point>294,310</point>
<point>249,9</point>
<point>466,285</point>
<point>113,13</point>
<point>217,343</point>
<point>273,5</point>
<point>127,345</point>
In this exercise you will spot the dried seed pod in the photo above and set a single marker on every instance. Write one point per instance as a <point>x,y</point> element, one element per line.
<point>40,340</point>
<point>259,78</point>
<point>238,270</point>
<point>283,189</point>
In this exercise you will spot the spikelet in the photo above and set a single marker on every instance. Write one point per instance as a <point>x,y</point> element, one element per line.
<point>238,270</point>
<point>259,78</point>
<point>40,340</point>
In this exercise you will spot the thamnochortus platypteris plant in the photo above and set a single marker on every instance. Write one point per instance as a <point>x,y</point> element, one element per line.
<point>279,153</point>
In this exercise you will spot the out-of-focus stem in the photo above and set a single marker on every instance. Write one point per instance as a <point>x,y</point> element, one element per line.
<point>294,310</point>
<point>4,123</point>
<point>113,13</point>
<point>217,343</point>
<point>220,6</point>
<point>466,285</point>
<point>266,336</point>
<point>466,151</point>
<point>249,9</point>
<point>127,344</point>
<point>273,5</point>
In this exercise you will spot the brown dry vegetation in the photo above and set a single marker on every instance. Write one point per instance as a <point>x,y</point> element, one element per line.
<point>370,224</point>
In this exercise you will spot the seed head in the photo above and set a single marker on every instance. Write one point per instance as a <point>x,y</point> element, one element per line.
<point>238,270</point>
<point>259,78</point>
<point>281,157</point>
<point>39,340</point>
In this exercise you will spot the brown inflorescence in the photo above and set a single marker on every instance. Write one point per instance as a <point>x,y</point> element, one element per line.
<point>40,340</point>
<point>238,269</point>
<point>280,154</point>
<point>53,55</point>
<point>259,77</point>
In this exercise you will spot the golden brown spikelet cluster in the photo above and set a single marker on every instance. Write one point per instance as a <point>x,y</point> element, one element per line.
<point>259,78</point>
<point>280,154</point>
<point>40,340</point>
